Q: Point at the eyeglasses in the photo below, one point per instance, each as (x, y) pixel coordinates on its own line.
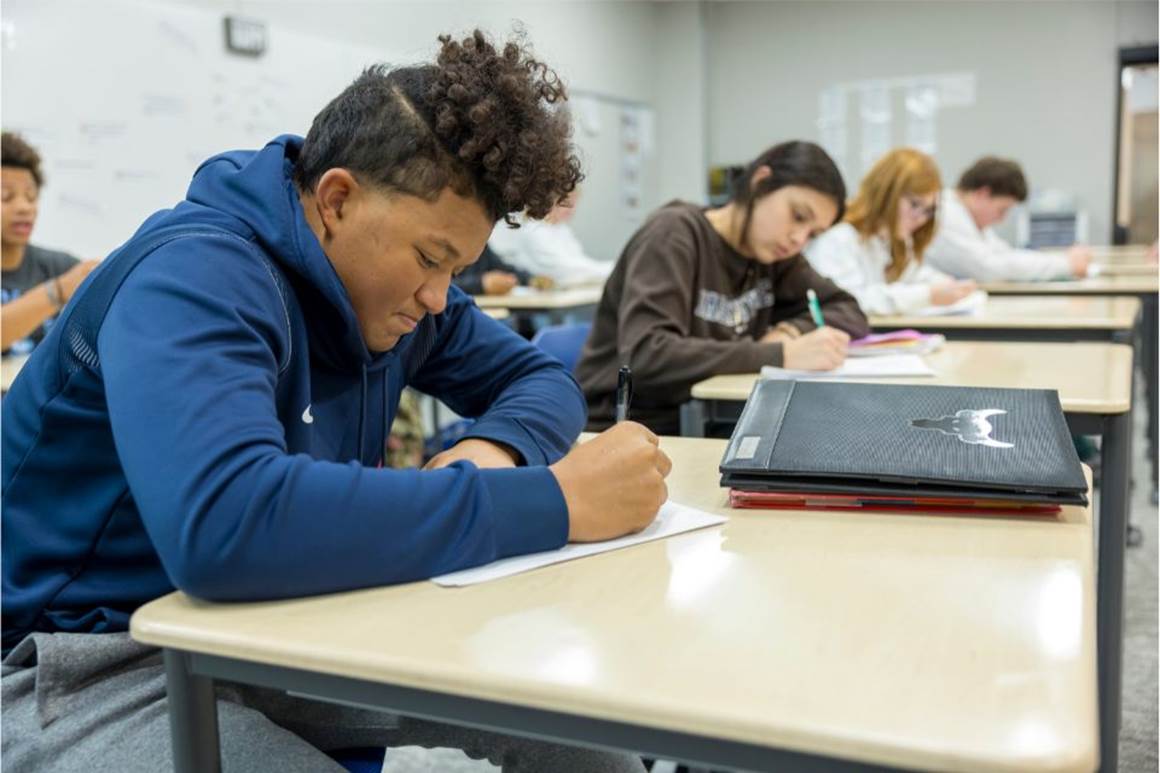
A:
(917, 206)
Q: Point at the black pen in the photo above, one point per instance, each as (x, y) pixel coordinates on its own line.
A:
(623, 392)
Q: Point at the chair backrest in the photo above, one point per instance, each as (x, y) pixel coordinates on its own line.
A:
(563, 342)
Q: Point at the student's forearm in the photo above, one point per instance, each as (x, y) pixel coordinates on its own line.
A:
(20, 317)
(1030, 265)
(663, 360)
(899, 298)
(847, 316)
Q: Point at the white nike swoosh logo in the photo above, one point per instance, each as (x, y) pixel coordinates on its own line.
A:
(306, 417)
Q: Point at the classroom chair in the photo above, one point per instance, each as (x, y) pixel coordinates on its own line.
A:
(563, 342)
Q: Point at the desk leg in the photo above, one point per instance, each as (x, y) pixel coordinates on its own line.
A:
(1113, 525)
(192, 717)
(1150, 322)
(693, 419)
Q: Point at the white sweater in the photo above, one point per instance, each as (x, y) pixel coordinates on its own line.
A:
(962, 249)
(548, 249)
(859, 265)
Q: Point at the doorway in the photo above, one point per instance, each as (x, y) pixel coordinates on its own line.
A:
(1137, 141)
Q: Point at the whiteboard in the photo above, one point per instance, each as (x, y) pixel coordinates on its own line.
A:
(125, 99)
(603, 221)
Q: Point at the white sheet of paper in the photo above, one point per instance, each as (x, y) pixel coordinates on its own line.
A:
(890, 366)
(671, 519)
(972, 304)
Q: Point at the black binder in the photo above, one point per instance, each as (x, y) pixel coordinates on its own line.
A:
(904, 441)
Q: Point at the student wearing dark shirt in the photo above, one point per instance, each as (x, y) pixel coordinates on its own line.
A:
(490, 275)
(36, 282)
(700, 292)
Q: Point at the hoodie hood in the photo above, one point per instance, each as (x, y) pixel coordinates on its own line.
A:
(256, 187)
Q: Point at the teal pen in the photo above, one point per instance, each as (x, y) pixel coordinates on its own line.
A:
(815, 308)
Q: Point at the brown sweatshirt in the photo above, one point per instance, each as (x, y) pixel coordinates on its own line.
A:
(682, 305)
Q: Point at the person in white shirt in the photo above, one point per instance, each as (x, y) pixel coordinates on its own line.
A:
(966, 245)
(550, 248)
(876, 252)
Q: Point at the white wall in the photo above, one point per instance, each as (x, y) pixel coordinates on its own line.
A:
(1045, 78)
(644, 52)
(727, 79)
(681, 99)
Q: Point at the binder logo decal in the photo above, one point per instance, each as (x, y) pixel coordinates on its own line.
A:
(968, 426)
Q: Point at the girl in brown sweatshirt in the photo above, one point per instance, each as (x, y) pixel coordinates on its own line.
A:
(701, 292)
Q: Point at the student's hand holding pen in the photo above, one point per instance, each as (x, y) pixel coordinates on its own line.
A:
(1079, 257)
(946, 293)
(498, 282)
(820, 349)
(614, 484)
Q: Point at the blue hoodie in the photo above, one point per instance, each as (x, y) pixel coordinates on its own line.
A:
(209, 418)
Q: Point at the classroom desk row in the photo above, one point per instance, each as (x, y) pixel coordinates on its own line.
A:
(1030, 318)
(777, 641)
(801, 640)
(1094, 381)
(1143, 286)
(556, 304)
(1096, 388)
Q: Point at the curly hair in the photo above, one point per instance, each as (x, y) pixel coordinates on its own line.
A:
(478, 120)
(15, 152)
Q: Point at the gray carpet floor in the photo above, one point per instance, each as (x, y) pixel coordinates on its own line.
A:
(1138, 729)
(1138, 735)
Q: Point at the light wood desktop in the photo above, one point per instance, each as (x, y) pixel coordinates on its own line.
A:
(1094, 381)
(497, 313)
(1112, 253)
(1129, 252)
(10, 366)
(1125, 269)
(1115, 282)
(933, 642)
(1027, 314)
(1090, 377)
(1141, 287)
(543, 300)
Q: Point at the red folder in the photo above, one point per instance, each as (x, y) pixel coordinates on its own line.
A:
(776, 500)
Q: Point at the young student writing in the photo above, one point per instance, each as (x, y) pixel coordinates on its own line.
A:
(701, 292)
(217, 398)
(966, 246)
(491, 275)
(36, 282)
(876, 252)
(550, 247)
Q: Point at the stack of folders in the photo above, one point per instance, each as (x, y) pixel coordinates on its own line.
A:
(896, 342)
(846, 446)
